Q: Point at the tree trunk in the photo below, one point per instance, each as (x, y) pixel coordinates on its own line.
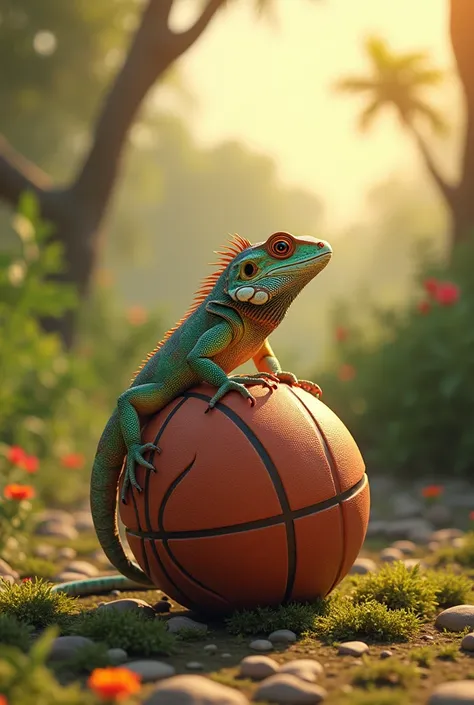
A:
(77, 211)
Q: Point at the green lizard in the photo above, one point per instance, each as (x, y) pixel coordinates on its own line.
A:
(228, 324)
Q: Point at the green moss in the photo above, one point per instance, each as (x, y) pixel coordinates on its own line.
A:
(423, 656)
(390, 672)
(463, 555)
(448, 652)
(14, 633)
(451, 588)
(36, 568)
(33, 603)
(137, 634)
(366, 620)
(187, 634)
(378, 697)
(398, 587)
(298, 618)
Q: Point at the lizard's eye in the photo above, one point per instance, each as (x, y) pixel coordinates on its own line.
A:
(281, 245)
(248, 270)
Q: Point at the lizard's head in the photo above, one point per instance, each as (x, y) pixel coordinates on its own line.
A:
(272, 273)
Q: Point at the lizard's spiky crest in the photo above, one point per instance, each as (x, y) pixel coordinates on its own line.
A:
(236, 245)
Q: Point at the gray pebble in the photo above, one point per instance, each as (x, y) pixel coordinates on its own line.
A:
(258, 667)
(282, 636)
(82, 567)
(285, 689)
(211, 649)
(177, 623)
(390, 555)
(361, 566)
(66, 554)
(194, 666)
(127, 605)
(305, 668)
(60, 530)
(406, 547)
(261, 645)
(353, 648)
(453, 693)
(468, 642)
(386, 653)
(457, 618)
(194, 690)
(117, 656)
(150, 670)
(66, 646)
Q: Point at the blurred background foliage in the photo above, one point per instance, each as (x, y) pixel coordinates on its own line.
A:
(395, 363)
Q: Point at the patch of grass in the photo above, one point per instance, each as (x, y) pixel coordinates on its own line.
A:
(264, 620)
(448, 652)
(137, 634)
(451, 588)
(187, 634)
(378, 697)
(463, 555)
(36, 568)
(368, 620)
(84, 660)
(33, 603)
(391, 672)
(14, 633)
(397, 587)
(423, 656)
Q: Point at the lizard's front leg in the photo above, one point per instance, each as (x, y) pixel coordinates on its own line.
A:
(266, 361)
(142, 399)
(212, 342)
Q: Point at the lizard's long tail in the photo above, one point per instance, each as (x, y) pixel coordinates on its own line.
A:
(93, 586)
(103, 497)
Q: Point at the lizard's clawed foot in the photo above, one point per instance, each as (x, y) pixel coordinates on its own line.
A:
(310, 387)
(232, 385)
(266, 379)
(135, 456)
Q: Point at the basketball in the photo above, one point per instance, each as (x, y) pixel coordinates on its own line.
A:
(249, 506)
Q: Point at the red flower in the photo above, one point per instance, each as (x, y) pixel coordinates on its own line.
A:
(114, 683)
(431, 491)
(447, 293)
(72, 460)
(471, 516)
(16, 455)
(18, 492)
(3, 700)
(424, 307)
(25, 580)
(30, 463)
(431, 286)
(346, 372)
(341, 334)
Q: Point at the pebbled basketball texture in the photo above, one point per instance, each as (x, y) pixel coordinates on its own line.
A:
(249, 506)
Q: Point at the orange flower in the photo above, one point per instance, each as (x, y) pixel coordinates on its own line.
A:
(72, 460)
(431, 286)
(447, 294)
(424, 307)
(471, 516)
(113, 683)
(431, 491)
(30, 463)
(3, 700)
(346, 372)
(341, 334)
(16, 455)
(136, 315)
(18, 492)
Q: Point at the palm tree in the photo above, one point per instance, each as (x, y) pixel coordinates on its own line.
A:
(398, 82)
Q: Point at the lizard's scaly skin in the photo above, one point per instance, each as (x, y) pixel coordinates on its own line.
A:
(233, 314)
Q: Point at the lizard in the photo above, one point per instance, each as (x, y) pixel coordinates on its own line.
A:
(228, 324)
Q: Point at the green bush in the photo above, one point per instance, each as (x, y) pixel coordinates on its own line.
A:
(15, 633)
(401, 379)
(391, 672)
(298, 618)
(33, 603)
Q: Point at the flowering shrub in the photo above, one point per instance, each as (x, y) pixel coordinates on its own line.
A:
(114, 684)
(403, 379)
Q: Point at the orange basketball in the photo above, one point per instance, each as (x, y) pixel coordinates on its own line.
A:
(249, 505)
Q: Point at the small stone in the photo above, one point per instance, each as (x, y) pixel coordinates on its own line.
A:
(285, 689)
(427, 637)
(305, 668)
(177, 623)
(194, 666)
(389, 555)
(211, 649)
(66, 553)
(446, 535)
(405, 505)
(66, 646)
(117, 656)
(386, 653)
(457, 618)
(458, 542)
(352, 648)
(115, 593)
(150, 670)
(162, 607)
(411, 563)
(361, 566)
(406, 547)
(433, 546)
(83, 521)
(128, 605)
(194, 690)
(282, 636)
(60, 530)
(438, 514)
(43, 550)
(225, 654)
(82, 567)
(468, 642)
(452, 693)
(258, 667)
(261, 645)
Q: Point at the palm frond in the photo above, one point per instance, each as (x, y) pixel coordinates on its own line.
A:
(355, 84)
(435, 119)
(369, 113)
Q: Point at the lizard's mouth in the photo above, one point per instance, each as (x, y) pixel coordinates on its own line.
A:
(321, 259)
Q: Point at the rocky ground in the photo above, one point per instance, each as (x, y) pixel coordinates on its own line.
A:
(208, 665)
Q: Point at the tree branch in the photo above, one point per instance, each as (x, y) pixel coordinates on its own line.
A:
(448, 191)
(17, 174)
(194, 32)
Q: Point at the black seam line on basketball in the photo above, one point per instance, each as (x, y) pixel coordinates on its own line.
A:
(147, 507)
(258, 523)
(161, 528)
(276, 481)
(337, 484)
